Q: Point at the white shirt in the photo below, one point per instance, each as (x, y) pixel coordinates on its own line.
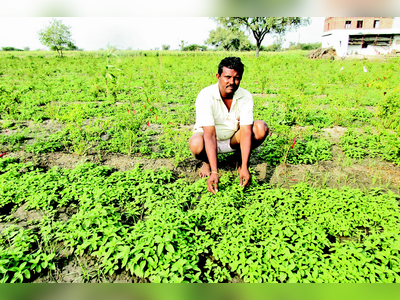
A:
(212, 111)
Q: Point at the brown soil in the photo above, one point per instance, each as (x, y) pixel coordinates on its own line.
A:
(334, 134)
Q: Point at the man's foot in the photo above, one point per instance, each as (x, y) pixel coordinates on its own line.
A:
(205, 170)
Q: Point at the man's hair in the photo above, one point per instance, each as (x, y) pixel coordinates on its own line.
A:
(231, 63)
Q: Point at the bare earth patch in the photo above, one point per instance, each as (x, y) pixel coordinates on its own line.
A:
(334, 134)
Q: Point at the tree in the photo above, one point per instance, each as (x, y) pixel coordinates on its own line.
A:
(56, 36)
(10, 49)
(304, 46)
(182, 44)
(260, 26)
(279, 40)
(165, 47)
(228, 39)
(194, 47)
(70, 46)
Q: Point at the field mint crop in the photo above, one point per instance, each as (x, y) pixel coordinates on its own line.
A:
(168, 230)
(157, 226)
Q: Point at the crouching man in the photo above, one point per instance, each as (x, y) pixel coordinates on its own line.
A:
(224, 123)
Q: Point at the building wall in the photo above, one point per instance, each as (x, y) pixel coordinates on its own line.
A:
(396, 43)
(353, 49)
(339, 40)
(337, 36)
(396, 22)
(332, 23)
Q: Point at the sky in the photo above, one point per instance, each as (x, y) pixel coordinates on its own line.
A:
(143, 33)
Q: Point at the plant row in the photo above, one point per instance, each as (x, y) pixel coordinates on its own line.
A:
(164, 229)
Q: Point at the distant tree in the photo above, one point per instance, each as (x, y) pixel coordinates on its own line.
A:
(194, 47)
(10, 49)
(71, 46)
(182, 45)
(228, 39)
(270, 48)
(260, 26)
(278, 42)
(129, 48)
(310, 46)
(304, 46)
(166, 47)
(26, 48)
(56, 36)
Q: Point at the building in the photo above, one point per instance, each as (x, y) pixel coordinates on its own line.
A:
(362, 35)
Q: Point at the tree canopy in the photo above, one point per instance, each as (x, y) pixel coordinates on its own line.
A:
(57, 36)
(261, 26)
(228, 39)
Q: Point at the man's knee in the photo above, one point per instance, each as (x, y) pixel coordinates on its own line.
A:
(196, 144)
(260, 130)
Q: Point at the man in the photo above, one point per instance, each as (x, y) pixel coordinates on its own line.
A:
(224, 123)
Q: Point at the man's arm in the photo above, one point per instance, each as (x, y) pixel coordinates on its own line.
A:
(245, 148)
(210, 145)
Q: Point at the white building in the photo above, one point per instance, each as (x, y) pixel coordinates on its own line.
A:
(365, 35)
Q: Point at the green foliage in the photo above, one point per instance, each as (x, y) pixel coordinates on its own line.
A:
(304, 46)
(44, 147)
(389, 110)
(228, 39)
(166, 230)
(20, 256)
(87, 96)
(12, 142)
(154, 226)
(385, 145)
(308, 150)
(56, 36)
(260, 26)
(194, 47)
(110, 75)
(70, 46)
(10, 49)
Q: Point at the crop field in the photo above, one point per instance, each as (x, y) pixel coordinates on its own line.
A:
(97, 183)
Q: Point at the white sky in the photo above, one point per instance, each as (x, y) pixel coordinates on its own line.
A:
(144, 33)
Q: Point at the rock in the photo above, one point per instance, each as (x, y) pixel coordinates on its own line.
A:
(105, 137)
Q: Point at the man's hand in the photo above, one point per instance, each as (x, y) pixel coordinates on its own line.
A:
(244, 177)
(212, 183)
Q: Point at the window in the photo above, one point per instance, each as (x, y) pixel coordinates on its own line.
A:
(398, 42)
(348, 24)
(377, 23)
(328, 25)
(360, 24)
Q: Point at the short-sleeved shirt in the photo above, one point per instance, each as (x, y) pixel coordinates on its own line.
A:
(212, 111)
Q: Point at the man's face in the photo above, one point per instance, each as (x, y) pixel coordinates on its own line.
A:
(228, 82)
